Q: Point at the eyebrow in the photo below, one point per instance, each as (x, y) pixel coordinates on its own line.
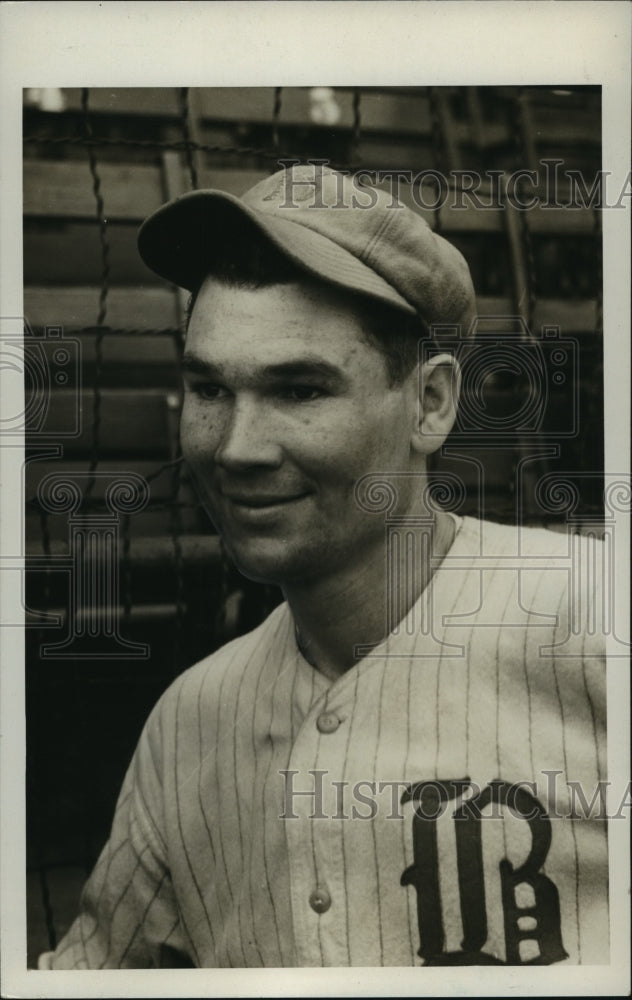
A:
(302, 367)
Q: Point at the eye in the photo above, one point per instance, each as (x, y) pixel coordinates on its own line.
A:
(207, 390)
(302, 393)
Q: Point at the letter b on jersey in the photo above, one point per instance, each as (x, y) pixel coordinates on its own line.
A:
(537, 924)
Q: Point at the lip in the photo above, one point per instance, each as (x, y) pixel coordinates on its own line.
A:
(261, 502)
(260, 509)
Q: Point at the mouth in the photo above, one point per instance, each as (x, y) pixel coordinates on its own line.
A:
(257, 508)
(261, 502)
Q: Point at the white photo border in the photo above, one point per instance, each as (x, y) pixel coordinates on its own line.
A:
(306, 43)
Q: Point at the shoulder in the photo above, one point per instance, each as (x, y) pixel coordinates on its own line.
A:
(184, 724)
(554, 573)
(215, 679)
(542, 546)
(242, 655)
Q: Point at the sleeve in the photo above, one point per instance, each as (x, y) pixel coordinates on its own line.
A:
(128, 914)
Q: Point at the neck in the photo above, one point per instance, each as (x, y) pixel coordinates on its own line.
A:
(363, 603)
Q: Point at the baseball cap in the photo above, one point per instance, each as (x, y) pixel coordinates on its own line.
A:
(350, 234)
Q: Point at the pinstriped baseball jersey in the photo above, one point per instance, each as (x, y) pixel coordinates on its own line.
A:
(424, 808)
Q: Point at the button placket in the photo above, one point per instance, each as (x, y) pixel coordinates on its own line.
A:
(315, 845)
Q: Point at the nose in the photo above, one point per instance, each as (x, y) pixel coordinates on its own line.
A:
(248, 439)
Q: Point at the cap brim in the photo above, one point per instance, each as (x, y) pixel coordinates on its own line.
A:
(179, 241)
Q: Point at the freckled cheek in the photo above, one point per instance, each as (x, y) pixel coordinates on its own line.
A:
(330, 456)
(316, 446)
(198, 435)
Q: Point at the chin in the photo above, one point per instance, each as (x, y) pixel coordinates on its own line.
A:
(257, 571)
(262, 567)
(278, 568)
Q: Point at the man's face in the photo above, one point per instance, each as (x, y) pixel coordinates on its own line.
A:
(286, 406)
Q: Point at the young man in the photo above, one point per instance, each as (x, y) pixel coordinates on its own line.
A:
(382, 772)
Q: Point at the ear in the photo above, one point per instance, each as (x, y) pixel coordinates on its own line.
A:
(439, 381)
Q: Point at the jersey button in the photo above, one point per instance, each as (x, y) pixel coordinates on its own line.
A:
(320, 900)
(327, 722)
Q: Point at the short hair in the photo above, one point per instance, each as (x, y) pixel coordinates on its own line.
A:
(255, 263)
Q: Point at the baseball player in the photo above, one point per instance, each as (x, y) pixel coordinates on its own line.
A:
(400, 766)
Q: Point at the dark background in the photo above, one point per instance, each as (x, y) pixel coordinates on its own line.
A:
(95, 164)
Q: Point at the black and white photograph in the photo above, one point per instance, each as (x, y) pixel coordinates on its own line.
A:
(315, 494)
